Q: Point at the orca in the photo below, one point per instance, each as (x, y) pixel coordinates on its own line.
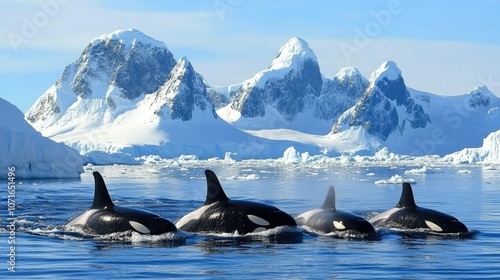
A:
(328, 219)
(105, 218)
(407, 215)
(220, 214)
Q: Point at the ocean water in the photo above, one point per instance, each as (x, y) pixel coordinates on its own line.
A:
(45, 249)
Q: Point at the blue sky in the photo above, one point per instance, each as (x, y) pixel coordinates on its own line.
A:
(444, 47)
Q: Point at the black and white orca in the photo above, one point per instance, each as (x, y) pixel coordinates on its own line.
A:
(407, 215)
(328, 219)
(220, 214)
(105, 218)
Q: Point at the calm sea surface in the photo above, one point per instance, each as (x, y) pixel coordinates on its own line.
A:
(43, 249)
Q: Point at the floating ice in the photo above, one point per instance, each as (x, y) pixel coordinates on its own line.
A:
(396, 179)
(423, 170)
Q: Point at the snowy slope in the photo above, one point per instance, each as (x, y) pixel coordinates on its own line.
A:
(352, 141)
(33, 155)
(457, 122)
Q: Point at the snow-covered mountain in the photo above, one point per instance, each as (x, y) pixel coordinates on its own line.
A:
(166, 112)
(182, 93)
(385, 107)
(457, 122)
(127, 95)
(33, 155)
(340, 94)
(281, 96)
(113, 72)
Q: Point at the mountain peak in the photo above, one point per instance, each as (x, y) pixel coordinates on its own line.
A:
(292, 52)
(182, 92)
(482, 90)
(183, 62)
(128, 37)
(112, 70)
(388, 70)
(348, 72)
(481, 96)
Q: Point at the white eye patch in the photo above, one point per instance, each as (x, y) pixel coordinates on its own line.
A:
(139, 227)
(433, 226)
(258, 220)
(338, 225)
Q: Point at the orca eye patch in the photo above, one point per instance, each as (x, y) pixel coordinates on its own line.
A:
(258, 220)
(338, 225)
(139, 227)
(433, 226)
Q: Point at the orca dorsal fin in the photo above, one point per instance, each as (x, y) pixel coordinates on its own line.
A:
(214, 189)
(329, 203)
(407, 200)
(101, 195)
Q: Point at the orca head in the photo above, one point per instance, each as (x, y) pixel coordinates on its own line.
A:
(261, 217)
(451, 225)
(440, 222)
(348, 221)
(407, 200)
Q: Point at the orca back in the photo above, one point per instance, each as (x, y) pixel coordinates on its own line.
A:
(105, 218)
(220, 214)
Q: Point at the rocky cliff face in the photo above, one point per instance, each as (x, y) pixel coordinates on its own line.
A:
(288, 85)
(385, 107)
(183, 92)
(340, 94)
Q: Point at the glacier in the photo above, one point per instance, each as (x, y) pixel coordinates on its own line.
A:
(32, 155)
(126, 97)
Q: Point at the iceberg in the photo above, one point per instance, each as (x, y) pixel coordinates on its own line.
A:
(489, 153)
(29, 153)
(396, 179)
